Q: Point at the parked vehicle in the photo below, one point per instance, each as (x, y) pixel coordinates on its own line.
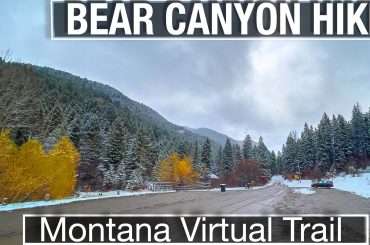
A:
(323, 184)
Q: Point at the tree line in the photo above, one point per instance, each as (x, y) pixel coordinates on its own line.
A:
(334, 145)
(229, 156)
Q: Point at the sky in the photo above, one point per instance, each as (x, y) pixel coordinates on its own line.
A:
(262, 88)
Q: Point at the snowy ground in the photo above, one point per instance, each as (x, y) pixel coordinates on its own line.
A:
(298, 186)
(359, 185)
(83, 196)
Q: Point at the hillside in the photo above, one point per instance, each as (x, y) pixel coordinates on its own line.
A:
(106, 126)
(215, 136)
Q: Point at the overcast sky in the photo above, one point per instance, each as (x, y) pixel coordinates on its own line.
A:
(265, 88)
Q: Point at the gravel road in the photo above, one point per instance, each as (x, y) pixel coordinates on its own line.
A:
(274, 199)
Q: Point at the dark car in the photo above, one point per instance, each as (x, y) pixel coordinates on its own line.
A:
(323, 184)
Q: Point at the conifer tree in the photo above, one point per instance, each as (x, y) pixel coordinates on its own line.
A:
(227, 160)
(237, 157)
(324, 144)
(273, 163)
(219, 162)
(308, 149)
(359, 133)
(90, 149)
(206, 157)
(247, 147)
(196, 158)
(115, 148)
(290, 153)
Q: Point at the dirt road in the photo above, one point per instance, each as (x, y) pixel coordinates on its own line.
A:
(273, 199)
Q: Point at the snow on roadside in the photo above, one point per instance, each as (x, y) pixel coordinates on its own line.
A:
(359, 185)
(306, 191)
(298, 186)
(83, 196)
(291, 183)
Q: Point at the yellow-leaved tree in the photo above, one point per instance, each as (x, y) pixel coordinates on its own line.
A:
(8, 152)
(30, 160)
(177, 169)
(28, 173)
(64, 158)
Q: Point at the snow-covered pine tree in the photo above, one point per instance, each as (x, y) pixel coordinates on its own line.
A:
(237, 157)
(115, 146)
(182, 149)
(290, 153)
(90, 150)
(324, 144)
(359, 133)
(308, 149)
(227, 160)
(342, 147)
(206, 158)
(247, 147)
(196, 158)
(219, 163)
(146, 153)
(135, 167)
(263, 156)
(273, 163)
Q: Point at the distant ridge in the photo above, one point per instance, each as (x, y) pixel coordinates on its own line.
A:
(217, 137)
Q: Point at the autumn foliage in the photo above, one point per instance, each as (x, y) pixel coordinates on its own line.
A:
(28, 172)
(177, 169)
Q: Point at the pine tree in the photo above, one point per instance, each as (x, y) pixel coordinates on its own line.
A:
(227, 160)
(219, 162)
(263, 156)
(130, 161)
(237, 157)
(359, 133)
(308, 149)
(279, 162)
(196, 158)
(273, 163)
(324, 144)
(290, 153)
(206, 158)
(115, 148)
(247, 147)
(90, 149)
(146, 152)
(181, 149)
(339, 138)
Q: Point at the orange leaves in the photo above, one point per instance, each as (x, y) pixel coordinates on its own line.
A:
(177, 169)
(28, 173)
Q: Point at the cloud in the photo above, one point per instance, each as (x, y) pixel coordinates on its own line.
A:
(285, 84)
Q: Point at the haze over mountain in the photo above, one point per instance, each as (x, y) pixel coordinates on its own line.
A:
(217, 137)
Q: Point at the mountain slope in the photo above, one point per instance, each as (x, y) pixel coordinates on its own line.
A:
(215, 136)
(46, 104)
